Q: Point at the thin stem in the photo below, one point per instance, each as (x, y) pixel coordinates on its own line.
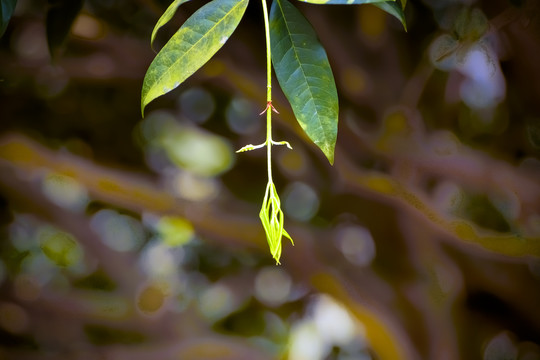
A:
(268, 91)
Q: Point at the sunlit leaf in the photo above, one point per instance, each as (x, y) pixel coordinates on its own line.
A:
(304, 74)
(6, 10)
(201, 36)
(394, 9)
(60, 17)
(165, 18)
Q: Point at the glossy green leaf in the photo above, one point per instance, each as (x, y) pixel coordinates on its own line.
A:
(60, 17)
(394, 9)
(165, 18)
(201, 36)
(6, 10)
(304, 73)
(342, 2)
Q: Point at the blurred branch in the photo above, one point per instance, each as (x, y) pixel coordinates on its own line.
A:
(463, 165)
(23, 159)
(207, 347)
(506, 244)
(135, 192)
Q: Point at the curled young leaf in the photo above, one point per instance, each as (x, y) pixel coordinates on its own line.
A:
(271, 217)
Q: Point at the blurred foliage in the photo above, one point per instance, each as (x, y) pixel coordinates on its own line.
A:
(422, 242)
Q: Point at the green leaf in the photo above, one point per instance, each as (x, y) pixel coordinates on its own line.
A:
(304, 73)
(201, 36)
(60, 17)
(6, 10)
(394, 9)
(165, 18)
(342, 2)
(391, 7)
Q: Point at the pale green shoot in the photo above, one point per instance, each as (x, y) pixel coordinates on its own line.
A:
(272, 220)
(271, 214)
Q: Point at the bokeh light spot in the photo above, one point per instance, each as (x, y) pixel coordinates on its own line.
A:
(273, 286)
(306, 343)
(242, 117)
(301, 201)
(119, 232)
(216, 302)
(65, 191)
(197, 104)
(356, 244)
(292, 162)
(59, 247)
(174, 231)
(194, 187)
(152, 298)
(87, 27)
(29, 43)
(159, 260)
(333, 321)
(202, 153)
(13, 318)
(501, 347)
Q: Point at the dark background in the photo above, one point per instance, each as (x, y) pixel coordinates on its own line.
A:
(131, 238)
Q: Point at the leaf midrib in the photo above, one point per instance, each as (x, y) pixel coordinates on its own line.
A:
(169, 69)
(289, 34)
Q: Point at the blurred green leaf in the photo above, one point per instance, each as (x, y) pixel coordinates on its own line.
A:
(174, 231)
(60, 17)
(394, 9)
(304, 73)
(480, 210)
(6, 10)
(61, 248)
(533, 131)
(98, 280)
(471, 24)
(166, 17)
(201, 36)
(105, 335)
(199, 152)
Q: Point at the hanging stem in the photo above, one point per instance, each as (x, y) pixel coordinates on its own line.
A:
(271, 214)
(269, 106)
